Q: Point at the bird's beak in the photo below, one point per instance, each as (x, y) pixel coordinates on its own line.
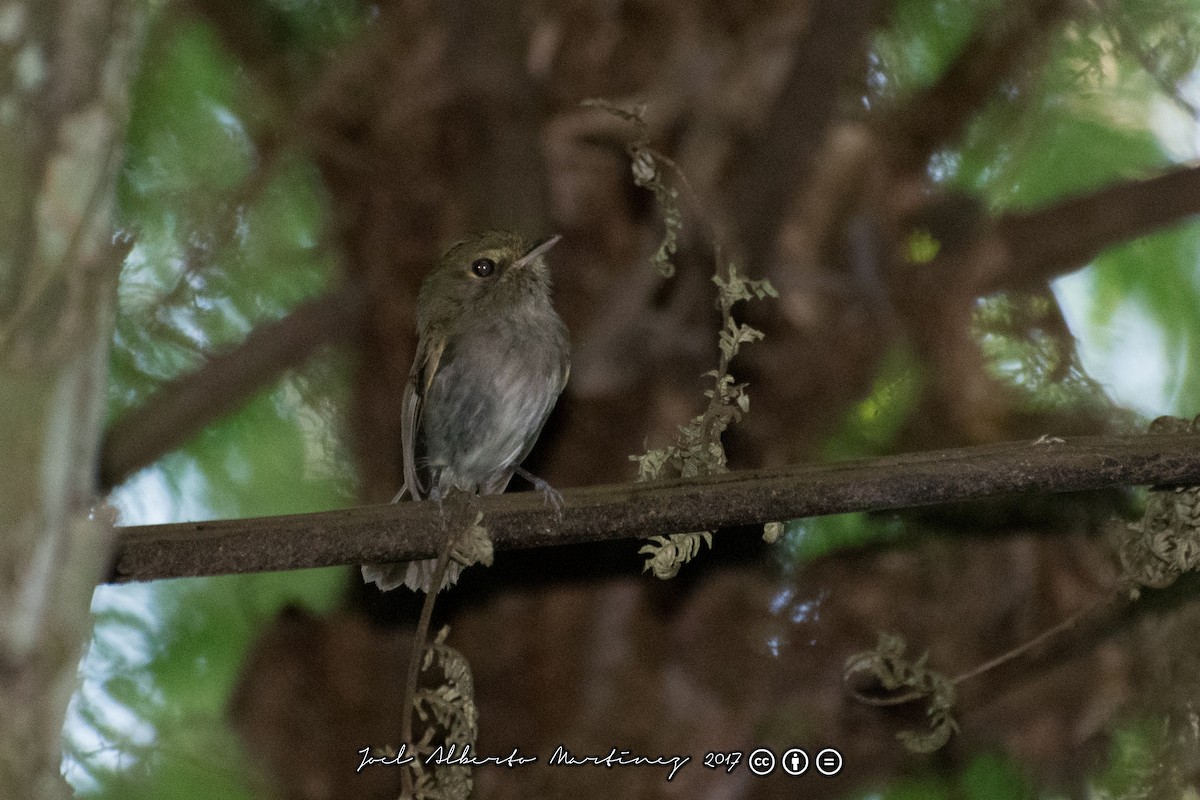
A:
(538, 251)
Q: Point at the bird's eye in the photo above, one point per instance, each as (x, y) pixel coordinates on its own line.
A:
(483, 267)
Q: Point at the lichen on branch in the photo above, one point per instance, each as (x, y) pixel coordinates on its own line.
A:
(904, 680)
(698, 448)
(1165, 543)
(449, 708)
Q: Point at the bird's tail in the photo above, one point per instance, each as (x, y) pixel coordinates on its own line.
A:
(416, 575)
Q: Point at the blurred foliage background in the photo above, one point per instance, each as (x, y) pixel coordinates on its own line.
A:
(240, 209)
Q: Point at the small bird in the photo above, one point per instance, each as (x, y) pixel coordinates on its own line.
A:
(492, 358)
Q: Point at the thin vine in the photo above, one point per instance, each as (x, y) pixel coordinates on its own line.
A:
(1153, 552)
(449, 708)
(698, 448)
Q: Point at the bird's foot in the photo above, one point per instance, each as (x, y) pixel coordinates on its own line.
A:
(550, 495)
(437, 496)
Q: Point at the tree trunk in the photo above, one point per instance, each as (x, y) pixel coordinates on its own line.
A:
(63, 107)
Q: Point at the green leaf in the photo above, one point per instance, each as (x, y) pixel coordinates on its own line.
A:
(920, 42)
(991, 776)
(184, 132)
(1135, 761)
(168, 654)
(814, 537)
(1081, 123)
(872, 424)
(1158, 274)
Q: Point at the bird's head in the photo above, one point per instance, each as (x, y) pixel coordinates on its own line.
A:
(488, 268)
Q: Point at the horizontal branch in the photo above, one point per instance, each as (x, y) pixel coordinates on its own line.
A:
(413, 530)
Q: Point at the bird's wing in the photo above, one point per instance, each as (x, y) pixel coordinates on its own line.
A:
(425, 365)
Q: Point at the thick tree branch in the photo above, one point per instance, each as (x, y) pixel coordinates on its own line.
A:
(1044, 244)
(939, 114)
(65, 68)
(180, 409)
(1027, 249)
(414, 530)
(224, 383)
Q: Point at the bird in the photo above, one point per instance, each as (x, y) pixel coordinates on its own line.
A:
(492, 358)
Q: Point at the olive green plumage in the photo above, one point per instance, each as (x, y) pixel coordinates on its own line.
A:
(492, 358)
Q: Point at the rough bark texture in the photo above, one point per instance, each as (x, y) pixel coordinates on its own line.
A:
(65, 102)
(414, 530)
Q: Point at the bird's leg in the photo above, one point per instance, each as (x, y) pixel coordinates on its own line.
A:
(435, 490)
(550, 495)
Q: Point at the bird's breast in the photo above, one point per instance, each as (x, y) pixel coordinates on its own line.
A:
(492, 392)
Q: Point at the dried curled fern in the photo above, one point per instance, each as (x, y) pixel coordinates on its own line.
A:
(907, 681)
(697, 449)
(1154, 553)
(1165, 543)
(647, 175)
(474, 545)
(449, 710)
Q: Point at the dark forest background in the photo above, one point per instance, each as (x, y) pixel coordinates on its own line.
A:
(974, 214)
